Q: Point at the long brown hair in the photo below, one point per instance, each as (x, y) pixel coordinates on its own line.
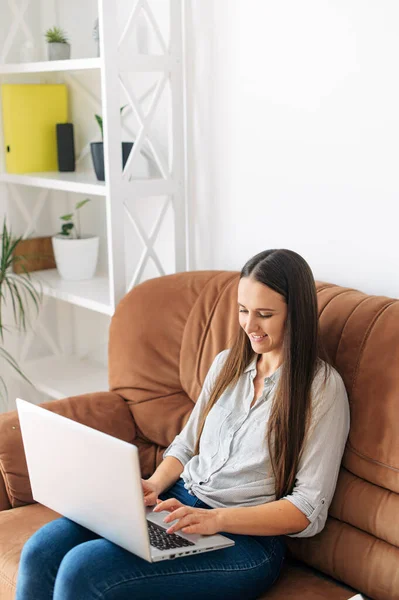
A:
(288, 274)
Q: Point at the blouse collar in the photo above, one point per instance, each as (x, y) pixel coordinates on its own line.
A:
(252, 368)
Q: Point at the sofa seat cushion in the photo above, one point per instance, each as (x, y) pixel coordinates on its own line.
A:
(299, 582)
(16, 527)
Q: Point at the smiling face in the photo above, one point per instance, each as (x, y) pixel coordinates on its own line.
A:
(262, 315)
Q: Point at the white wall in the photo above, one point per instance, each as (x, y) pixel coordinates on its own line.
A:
(295, 133)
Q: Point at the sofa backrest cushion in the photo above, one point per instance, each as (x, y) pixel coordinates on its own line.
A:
(362, 336)
(163, 338)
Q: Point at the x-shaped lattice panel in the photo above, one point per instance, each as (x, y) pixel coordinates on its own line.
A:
(144, 140)
(18, 11)
(148, 241)
(30, 217)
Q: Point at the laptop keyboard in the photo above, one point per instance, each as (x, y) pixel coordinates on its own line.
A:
(165, 541)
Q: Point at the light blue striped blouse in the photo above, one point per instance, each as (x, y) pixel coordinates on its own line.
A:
(233, 467)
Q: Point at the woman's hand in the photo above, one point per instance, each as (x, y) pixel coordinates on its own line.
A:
(150, 491)
(189, 519)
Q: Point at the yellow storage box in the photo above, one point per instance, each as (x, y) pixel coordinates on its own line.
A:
(30, 114)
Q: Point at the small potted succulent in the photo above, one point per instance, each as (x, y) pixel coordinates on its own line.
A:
(97, 150)
(58, 45)
(75, 254)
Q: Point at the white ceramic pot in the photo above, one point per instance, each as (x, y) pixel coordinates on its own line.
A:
(76, 259)
(57, 51)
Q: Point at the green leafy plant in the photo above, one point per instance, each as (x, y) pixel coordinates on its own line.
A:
(56, 35)
(19, 290)
(69, 226)
(100, 121)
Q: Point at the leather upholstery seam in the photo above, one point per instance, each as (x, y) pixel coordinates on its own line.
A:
(376, 538)
(325, 286)
(189, 316)
(6, 484)
(346, 322)
(7, 581)
(207, 325)
(372, 460)
(161, 396)
(366, 337)
(346, 291)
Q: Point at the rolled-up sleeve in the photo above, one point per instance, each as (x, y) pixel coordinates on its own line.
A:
(319, 465)
(183, 445)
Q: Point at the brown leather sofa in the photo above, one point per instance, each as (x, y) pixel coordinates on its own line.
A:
(163, 338)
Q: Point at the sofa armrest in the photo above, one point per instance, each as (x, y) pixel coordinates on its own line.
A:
(104, 411)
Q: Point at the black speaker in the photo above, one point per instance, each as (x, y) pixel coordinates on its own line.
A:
(65, 147)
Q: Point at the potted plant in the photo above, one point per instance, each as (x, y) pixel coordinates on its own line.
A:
(58, 45)
(97, 150)
(19, 291)
(75, 254)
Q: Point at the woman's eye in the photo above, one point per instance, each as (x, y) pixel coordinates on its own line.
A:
(262, 316)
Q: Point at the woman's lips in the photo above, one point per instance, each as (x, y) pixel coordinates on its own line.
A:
(258, 339)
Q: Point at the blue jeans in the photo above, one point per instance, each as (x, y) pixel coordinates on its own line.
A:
(64, 561)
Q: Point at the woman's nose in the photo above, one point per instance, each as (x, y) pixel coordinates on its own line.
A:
(252, 325)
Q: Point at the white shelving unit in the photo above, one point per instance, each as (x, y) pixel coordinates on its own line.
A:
(92, 294)
(59, 375)
(81, 183)
(55, 66)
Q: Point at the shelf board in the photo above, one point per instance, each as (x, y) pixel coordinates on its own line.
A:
(63, 376)
(91, 293)
(83, 183)
(48, 66)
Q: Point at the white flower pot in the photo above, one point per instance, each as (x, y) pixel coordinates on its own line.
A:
(76, 259)
(57, 51)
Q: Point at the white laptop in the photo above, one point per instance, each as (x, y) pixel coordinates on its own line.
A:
(94, 479)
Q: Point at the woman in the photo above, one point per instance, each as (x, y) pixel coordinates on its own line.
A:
(257, 459)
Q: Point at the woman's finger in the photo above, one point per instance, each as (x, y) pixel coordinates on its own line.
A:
(149, 499)
(193, 528)
(170, 504)
(185, 521)
(179, 513)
